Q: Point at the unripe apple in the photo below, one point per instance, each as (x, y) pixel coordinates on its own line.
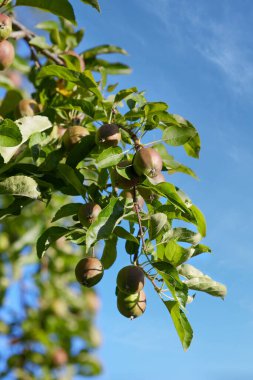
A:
(5, 26)
(73, 135)
(89, 271)
(130, 279)
(27, 107)
(15, 78)
(131, 305)
(88, 213)
(129, 194)
(7, 54)
(108, 135)
(60, 357)
(147, 161)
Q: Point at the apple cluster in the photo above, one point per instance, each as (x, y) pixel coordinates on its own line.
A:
(131, 298)
(7, 52)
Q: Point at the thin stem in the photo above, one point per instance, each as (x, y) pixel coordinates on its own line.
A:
(141, 234)
(152, 280)
(28, 35)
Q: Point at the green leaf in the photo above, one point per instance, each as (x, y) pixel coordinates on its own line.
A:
(171, 164)
(48, 25)
(60, 8)
(115, 68)
(109, 253)
(39, 42)
(124, 94)
(154, 108)
(170, 275)
(124, 234)
(175, 135)
(200, 248)
(189, 271)
(176, 254)
(67, 210)
(107, 220)
(181, 323)
(10, 102)
(81, 150)
(156, 224)
(169, 191)
(131, 247)
(20, 185)
(9, 133)
(27, 125)
(103, 49)
(200, 219)
(49, 236)
(197, 280)
(207, 285)
(185, 235)
(84, 79)
(14, 208)
(192, 147)
(109, 157)
(70, 177)
(93, 3)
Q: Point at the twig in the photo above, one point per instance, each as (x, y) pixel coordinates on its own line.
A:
(28, 35)
(136, 208)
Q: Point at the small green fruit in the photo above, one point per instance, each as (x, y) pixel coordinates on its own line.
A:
(73, 135)
(7, 54)
(60, 357)
(5, 26)
(130, 279)
(88, 213)
(129, 194)
(89, 271)
(108, 135)
(131, 305)
(147, 161)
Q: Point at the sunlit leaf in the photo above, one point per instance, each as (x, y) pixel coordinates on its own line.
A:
(62, 8)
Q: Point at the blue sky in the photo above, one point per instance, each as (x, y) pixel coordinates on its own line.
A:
(197, 56)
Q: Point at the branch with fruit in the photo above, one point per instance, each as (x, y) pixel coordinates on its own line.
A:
(80, 137)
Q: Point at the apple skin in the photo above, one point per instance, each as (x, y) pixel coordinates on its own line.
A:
(5, 26)
(73, 135)
(131, 305)
(147, 161)
(60, 357)
(88, 213)
(15, 78)
(130, 279)
(108, 135)
(89, 271)
(7, 54)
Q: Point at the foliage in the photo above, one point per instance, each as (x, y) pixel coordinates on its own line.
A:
(37, 166)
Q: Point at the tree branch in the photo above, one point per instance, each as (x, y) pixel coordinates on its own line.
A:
(23, 32)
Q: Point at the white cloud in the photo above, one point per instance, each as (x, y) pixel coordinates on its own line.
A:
(217, 39)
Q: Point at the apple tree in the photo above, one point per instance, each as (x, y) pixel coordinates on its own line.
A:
(78, 168)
